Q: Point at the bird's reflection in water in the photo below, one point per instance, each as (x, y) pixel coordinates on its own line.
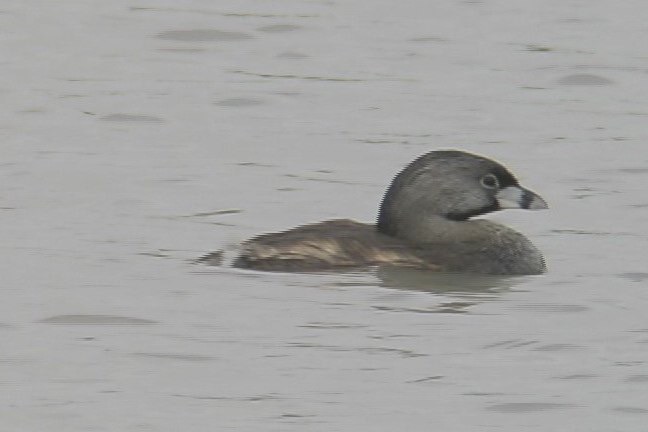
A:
(456, 292)
(446, 283)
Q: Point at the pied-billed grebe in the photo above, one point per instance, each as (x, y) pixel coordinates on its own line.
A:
(424, 222)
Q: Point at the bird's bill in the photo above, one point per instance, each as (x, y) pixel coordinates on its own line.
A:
(519, 197)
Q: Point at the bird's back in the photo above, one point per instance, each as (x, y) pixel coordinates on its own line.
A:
(327, 245)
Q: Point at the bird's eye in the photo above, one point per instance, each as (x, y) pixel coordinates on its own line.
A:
(489, 181)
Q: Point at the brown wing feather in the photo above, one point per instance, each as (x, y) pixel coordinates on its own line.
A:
(327, 245)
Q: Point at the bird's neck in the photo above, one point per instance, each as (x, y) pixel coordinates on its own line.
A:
(438, 229)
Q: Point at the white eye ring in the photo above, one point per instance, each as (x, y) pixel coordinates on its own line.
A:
(490, 181)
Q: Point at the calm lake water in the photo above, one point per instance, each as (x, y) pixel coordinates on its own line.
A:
(139, 135)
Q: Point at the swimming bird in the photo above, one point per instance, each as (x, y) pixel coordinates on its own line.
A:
(426, 220)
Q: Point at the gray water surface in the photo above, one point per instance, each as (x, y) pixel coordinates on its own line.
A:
(138, 136)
